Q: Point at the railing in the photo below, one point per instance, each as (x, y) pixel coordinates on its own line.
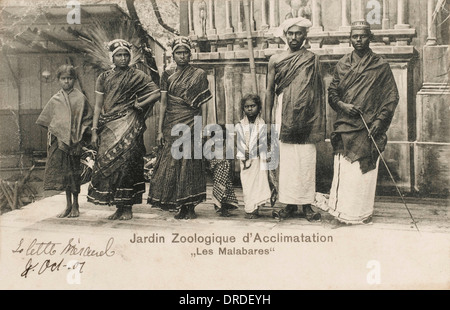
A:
(218, 25)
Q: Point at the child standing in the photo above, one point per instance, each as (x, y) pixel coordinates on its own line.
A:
(67, 116)
(223, 195)
(251, 139)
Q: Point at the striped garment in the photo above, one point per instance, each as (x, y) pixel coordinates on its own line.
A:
(178, 182)
(118, 174)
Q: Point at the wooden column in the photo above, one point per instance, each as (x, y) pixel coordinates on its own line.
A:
(402, 22)
(229, 26)
(184, 18)
(386, 23)
(191, 17)
(316, 16)
(274, 18)
(345, 24)
(211, 16)
(431, 38)
(252, 15)
(264, 24)
(229, 30)
(357, 10)
(212, 32)
(239, 15)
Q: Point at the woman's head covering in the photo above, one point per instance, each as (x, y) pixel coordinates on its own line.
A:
(118, 44)
(179, 42)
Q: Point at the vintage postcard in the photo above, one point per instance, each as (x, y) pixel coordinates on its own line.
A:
(224, 145)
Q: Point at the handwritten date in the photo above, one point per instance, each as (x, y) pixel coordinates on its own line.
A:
(49, 266)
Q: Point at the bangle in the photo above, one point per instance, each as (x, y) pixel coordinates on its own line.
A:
(94, 129)
(137, 107)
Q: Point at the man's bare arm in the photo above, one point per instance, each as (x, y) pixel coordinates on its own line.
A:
(270, 91)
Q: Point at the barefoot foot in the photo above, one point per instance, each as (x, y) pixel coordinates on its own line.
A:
(181, 213)
(75, 211)
(65, 213)
(116, 215)
(127, 214)
(191, 215)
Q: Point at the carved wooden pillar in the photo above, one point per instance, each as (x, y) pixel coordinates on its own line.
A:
(239, 15)
(274, 15)
(185, 18)
(402, 12)
(316, 16)
(212, 32)
(211, 17)
(345, 24)
(229, 26)
(402, 22)
(357, 10)
(264, 24)
(431, 39)
(191, 17)
(252, 15)
(386, 23)
(229, 29)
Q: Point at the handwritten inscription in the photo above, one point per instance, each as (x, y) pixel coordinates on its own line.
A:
(39, 262)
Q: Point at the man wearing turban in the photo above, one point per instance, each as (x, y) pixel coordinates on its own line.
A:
(363, 86)
(294, 87)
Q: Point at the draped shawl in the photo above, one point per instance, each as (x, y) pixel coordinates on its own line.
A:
(120, 125)
(67, 116)
(368, 84)
(303, 108)
(177, 182)
(186, 90)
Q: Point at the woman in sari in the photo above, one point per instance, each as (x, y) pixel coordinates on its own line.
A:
(180, 184)
(124, 94)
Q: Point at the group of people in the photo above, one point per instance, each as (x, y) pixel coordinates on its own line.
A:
(363, 91)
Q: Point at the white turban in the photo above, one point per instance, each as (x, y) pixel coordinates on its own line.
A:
(288, 23)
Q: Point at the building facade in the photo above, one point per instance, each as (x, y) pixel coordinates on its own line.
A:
(412, 35)
(34, 43)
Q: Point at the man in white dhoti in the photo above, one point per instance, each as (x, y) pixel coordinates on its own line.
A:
(295, 85)
(363, 85)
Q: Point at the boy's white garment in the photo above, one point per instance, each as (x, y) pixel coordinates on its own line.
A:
(254, 175)
(255, 185)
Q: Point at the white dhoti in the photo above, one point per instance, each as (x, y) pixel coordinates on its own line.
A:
(297, 177)
(352, 194)
(255, 185)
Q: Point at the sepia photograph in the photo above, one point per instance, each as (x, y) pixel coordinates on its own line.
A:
(224, 145)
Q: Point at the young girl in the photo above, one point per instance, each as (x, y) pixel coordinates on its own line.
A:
(223, 195)
(251, 135)
(67, 116)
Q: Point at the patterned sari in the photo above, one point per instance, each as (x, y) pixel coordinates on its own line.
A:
(178, 182)
(118, 174)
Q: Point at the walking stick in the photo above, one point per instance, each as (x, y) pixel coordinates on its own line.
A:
(389, 171)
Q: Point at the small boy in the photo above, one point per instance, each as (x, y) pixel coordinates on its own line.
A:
(67, 116)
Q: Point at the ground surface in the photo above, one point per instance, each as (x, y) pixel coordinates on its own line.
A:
(390, 253)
